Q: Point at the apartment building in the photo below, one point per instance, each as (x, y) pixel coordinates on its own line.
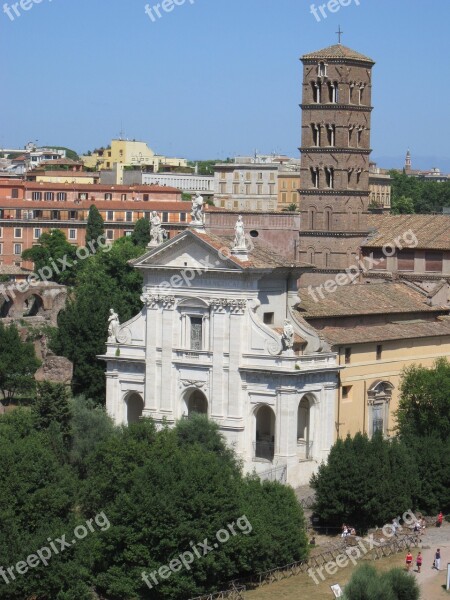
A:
(29, 209)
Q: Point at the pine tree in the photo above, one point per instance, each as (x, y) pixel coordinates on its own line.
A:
(95, 227)
(141, 233)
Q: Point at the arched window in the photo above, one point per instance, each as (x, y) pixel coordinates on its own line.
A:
(331, 135)
(315, 177)
(329, 177)
(379, 397)
(135, 406)
(304, 437)
(316, 91)
(315, 134)
(197, 403)
(264, 444)
(322, 69)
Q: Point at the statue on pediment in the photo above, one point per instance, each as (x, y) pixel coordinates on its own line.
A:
(197, 215)
(113, 325)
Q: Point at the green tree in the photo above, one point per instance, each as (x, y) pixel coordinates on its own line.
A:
(95, 227)
(365, 482)
(52, 405)
(424, 406)
(141, 233)
(90, 426)
(38, 493)
(18, 364)
(402, 206)
(52, 248)
(166, 490)
(106, 281)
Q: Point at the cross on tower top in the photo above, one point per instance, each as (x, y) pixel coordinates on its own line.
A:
(339, 33)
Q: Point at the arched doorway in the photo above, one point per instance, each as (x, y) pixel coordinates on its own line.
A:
(135, 406)
(32, 306)
(197, 403)
(6, 305)
(304, 437)
(264, 445)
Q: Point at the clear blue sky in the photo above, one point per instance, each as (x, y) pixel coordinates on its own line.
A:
(217, 77)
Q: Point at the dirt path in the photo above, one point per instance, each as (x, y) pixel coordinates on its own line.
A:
(430, 580)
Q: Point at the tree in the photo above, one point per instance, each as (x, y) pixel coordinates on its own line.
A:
(424, 426)
(141, 233)
(166, 491)
(45, 255)
(365, 482)
(52, 405)
(106, 281)
(95, 227)
(90, 426)
(38, 496)
(18, 364)
(402, 206)
(424, 406)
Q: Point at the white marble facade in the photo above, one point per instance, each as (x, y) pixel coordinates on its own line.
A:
(210, 338)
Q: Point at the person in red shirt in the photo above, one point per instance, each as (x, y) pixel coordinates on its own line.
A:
(419, 561)
(409, 559)
(440, 519)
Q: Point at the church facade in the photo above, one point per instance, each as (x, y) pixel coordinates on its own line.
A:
(218, 334)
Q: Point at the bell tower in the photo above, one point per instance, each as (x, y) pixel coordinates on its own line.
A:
(335, 151)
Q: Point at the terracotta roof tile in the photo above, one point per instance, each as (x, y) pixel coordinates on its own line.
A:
(431, 231)
(361, 334)
(260, 257)
(338, 51)
(363, 299)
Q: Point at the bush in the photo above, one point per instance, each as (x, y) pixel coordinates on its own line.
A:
(367, 584)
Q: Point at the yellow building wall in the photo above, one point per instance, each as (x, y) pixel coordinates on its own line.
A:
(69, 178)
(365, 370)
(130, 153)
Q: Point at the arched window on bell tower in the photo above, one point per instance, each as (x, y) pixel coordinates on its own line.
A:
(315, 177)
(329, 177)
(361, 93)
(315, 134)
(331, 133)
(322, 69)
(316, 91)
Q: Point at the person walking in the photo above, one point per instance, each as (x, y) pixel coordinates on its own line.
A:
(419, 562)
(440, 518)
(437, 560)
(409, 559)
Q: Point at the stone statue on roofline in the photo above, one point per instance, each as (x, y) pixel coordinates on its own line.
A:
(157, 233)
(239, 235)
(198, 217)
(113, 325)
(288, 336)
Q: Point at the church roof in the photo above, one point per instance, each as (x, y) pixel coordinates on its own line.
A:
(338, 51)
(261, 256)
(361, 334)
(364, 299)
(431, 231)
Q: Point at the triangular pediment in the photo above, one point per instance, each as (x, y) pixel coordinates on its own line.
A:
(187, 251)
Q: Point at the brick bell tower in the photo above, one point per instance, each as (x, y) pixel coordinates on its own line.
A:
(335, 150)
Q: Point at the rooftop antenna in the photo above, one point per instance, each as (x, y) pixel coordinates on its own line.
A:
(339, 34)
